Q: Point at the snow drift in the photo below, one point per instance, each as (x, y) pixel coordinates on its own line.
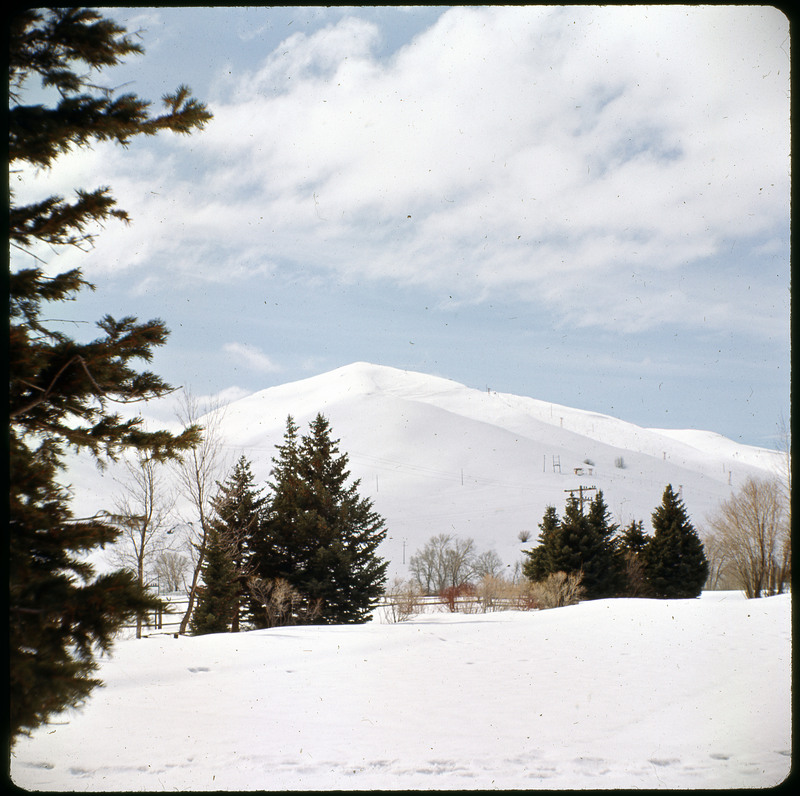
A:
(621, 693)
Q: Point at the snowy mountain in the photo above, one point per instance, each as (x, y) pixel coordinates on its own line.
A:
(438, 457)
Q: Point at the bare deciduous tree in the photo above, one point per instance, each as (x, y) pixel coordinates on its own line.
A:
(785, 474)
(720, 573)
(424, 565)
(446, 561)
(198, 473)
(753, 531)
(487, 565)
(170, 567)
(459, 562)
(143, 513)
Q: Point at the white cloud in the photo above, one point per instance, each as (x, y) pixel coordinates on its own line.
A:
(251, 357)
(546, 151)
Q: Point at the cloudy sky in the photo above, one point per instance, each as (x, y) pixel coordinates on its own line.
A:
(587, 205)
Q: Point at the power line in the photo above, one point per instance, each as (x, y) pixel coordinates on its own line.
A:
(580, 490)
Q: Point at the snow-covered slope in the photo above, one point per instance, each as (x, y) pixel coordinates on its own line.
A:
(438, 457)
(684, 694)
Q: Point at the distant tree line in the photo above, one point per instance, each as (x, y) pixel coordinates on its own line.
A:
(448, 562)
(582, 555)
(300, 550)
(670, 563)
(747, 546)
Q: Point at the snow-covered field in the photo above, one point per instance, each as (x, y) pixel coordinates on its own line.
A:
(606, 694)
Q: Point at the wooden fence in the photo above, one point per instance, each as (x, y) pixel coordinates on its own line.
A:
(164, 622)
(392, 607)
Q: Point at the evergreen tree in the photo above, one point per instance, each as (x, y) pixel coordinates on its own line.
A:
(676, 565)
(320, 535)
(541, 560)
(274, 552)
(579, 542)
(239, 511)
(217, 598)
(575, 542)
(604, 565)
(59, 389)
(633, 546)
(344, 571)
(633, 539)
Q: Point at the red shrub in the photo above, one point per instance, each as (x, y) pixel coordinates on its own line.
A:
(450, 594)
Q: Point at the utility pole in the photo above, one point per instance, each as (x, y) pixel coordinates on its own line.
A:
(580, 490)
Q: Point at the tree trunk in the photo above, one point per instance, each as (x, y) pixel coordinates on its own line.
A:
(201, 554)
(140, 574)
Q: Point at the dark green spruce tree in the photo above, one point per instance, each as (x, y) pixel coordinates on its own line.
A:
(633, 539)
(275, 549)
(217, 597)
(61, 391)
(676, 565)
(604, 567)
(581, 541)
(344, 571)
(239, 509)
(321, 535)
(543, 559)
(633, 542)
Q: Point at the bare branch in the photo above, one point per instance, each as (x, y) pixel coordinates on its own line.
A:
(198, 472)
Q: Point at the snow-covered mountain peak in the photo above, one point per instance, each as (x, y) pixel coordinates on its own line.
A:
(436, 456)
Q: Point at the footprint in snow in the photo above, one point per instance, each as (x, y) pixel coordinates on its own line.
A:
(542, 772)
(592, 765)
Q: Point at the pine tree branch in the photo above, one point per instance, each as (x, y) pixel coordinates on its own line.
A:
(100, 392)
(47, 392)
(56, 383)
